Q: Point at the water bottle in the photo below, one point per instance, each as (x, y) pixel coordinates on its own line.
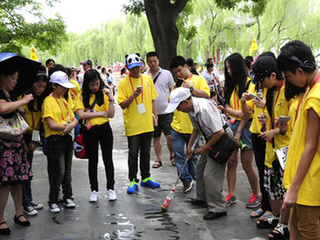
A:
(243, 146)
(167, 201)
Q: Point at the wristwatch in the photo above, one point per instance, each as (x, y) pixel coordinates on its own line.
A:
(191, 89)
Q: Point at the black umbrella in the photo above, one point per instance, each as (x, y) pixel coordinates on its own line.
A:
(27, 69)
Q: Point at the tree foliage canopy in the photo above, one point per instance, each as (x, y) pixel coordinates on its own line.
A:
(204, 27)
(15, 31)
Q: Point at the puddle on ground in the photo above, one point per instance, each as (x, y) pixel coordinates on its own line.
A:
(125, 229)
(167, 225)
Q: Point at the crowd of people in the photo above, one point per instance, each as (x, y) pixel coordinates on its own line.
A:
(270, 107)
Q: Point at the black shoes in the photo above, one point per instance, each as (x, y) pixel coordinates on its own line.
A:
(198, 202)
(4, 231)
(24, 223)
(213, 215)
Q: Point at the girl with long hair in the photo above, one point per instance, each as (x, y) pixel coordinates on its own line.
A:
(95, 107)
(236, 83)
(39, 90)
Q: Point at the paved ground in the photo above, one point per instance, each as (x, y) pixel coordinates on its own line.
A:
(135, 216)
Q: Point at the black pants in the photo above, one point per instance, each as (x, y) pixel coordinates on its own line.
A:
(60, 162)
(26, 185)
(103, 134)
(259, 149)
(140, 142)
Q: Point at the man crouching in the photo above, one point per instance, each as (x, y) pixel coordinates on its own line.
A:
(206, 119)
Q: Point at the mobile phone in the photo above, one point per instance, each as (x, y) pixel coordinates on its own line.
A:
(252, 95)
(283, 119)
(179, 83)
(139, 87)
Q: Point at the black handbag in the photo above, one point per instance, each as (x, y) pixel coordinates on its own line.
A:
(222, 150)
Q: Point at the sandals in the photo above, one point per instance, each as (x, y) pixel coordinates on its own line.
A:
(281, 234)
(21, 223)
(157, 164)
(256, 213)
(271, 222)
(173, 163)
(4, 231)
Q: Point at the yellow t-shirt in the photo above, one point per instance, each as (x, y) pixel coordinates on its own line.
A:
(281, 107)
(235, 101)
(97, 108)
(181, 122)
(74, 92)
(59, 110)
(256, 125)
(32, 118)
(134, 122)
(309, 192)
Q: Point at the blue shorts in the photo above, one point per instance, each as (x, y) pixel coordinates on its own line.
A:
(246, 134)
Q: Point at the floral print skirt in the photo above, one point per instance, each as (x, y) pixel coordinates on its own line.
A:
(14, 165)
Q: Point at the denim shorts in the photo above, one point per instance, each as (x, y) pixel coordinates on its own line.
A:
(246, 134)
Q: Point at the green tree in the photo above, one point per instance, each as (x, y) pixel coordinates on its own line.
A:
(45, 34)
(162, 17)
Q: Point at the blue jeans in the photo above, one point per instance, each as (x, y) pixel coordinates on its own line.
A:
(179, 140)
(60, 160)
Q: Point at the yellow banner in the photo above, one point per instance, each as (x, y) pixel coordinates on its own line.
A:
(33, 54)
(253, 46)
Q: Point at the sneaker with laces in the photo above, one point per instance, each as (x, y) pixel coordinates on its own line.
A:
(149, 182)
(69, 203)
(93, 197)
(230, 200)
(112, 195)
(133, 187)
(36, 206)
(30, 211)
(187, 186)
(54, 208)
(254, 202)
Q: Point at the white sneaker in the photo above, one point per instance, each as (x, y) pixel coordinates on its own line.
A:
(69, 203)
(30, 210)
(112, 195)
(93, 197)
(54, 208)
(36, 205)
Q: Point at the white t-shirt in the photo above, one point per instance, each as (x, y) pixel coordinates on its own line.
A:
(163, 86)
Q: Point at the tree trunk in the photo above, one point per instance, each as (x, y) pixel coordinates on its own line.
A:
(162, 16)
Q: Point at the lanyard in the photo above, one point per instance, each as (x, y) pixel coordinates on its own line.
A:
(190, 77)
(303, 96)
(74, 93)
(315, 81)
(235, 103)
(59, 105)
(133, 89)
(275, 104)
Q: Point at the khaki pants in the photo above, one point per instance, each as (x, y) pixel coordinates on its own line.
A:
(305, 219)
(210, 176)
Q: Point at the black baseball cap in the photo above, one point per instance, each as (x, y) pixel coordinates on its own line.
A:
(262, 68)
(87, 61)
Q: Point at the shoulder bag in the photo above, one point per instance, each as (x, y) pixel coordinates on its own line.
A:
(222, 150)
